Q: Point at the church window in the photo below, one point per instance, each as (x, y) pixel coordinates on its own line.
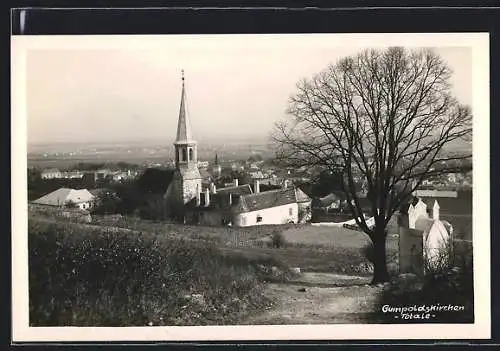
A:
(177, 155)
(259, 218)
(290, 211)
(184, 155)
(190, 154)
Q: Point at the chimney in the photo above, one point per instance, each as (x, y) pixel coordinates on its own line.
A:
(198, 195)
(435, 211)
(207, 197)
(256, 186)
(235, 181)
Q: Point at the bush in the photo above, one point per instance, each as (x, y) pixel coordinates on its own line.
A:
(278, 239)
(80, 277)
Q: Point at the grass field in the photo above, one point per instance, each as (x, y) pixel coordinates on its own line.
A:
(312, 248)
(81, 275)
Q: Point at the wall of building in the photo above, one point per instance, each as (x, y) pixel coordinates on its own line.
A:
(272, 215)
(410, 251)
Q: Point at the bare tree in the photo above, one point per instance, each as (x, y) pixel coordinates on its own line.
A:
(383, 117)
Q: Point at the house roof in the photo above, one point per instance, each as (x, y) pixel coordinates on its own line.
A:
(62, 195)
(244, 189)
(266, 199)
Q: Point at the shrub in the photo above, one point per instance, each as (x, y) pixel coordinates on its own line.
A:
(278, 239)
(115, 278)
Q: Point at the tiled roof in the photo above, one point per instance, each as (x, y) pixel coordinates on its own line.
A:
(266, 199)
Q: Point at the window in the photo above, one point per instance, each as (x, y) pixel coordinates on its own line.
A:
(259, 218)
(184, 155)
(190, 154)
(290, 211)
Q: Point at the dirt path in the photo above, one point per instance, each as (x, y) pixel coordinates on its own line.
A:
(327, 299)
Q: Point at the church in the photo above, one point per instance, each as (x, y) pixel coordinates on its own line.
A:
(192, 201)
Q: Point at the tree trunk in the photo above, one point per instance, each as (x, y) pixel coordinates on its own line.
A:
(380, 273)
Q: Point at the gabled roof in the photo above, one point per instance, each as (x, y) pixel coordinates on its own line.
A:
(266, 199)
(63, 195)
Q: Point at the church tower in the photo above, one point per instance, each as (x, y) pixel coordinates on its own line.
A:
(187, 179)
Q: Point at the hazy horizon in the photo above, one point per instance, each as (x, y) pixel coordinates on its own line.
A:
(236, 87)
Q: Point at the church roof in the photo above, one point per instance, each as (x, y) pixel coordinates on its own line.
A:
(184, 133)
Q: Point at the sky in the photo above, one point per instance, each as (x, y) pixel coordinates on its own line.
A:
(237, 86)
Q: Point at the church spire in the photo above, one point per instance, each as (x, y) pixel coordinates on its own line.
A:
(183, 127)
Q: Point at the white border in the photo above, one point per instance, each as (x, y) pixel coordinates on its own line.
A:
(481, 329)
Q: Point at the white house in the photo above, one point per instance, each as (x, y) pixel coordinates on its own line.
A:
(239, 206)
(51, 173)
(63, 197)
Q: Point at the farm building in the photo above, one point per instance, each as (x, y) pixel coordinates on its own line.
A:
(65, 197)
